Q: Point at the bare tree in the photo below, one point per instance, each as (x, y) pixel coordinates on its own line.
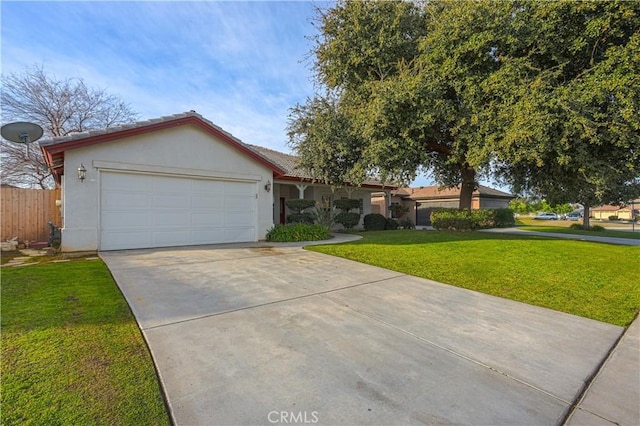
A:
(61, 107)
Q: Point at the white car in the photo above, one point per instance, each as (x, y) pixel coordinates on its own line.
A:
(546, 216)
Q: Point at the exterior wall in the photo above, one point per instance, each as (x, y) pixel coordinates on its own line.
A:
(623, 214)
(182, 151)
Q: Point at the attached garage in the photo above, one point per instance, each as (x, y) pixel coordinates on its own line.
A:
(149, 210)
(174, 181)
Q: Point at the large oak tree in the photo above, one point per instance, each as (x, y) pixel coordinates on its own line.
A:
(543, 95)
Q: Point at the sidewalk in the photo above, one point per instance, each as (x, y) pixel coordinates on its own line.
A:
(594, 238)
(614, 395)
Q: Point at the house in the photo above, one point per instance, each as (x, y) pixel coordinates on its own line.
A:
(423, 200)
(174, 181)
(622, 213)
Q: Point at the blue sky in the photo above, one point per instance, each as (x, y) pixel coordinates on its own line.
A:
(241, 65)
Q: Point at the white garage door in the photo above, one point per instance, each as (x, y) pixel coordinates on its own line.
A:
(140, 211)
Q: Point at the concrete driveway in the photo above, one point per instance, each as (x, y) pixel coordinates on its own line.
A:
(280, 335)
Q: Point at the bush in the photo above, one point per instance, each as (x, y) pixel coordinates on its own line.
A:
(348, 220)
(299, 204)
(298, 232)
(346, 204)
(595, 228)
(453, 219)
(406, 223)
(503, 218)
(613, 217)
(462, 220)
(324, 217)
(374, 222)
(300, 218)
(391, 224)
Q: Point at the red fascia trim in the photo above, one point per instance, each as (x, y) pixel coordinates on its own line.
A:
(108, 137)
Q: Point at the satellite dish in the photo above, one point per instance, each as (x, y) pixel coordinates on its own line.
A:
(22, 132)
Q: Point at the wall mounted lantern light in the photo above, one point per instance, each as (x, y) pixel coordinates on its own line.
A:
(82, 172)
(267, 187)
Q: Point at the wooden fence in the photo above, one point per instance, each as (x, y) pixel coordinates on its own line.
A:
(26, 212)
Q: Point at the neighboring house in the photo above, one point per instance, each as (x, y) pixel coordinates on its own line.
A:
(423, 200)
(172, 181)
(622, 213)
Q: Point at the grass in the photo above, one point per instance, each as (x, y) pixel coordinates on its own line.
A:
(567, 230)
(71, 350)
(592, 280)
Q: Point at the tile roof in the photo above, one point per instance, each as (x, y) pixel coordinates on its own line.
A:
(289, 163)
(437, 192)
(286, 162)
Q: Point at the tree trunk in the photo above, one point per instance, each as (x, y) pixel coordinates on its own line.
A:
(468, 186)
(585, 218)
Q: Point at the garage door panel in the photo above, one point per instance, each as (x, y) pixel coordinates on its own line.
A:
(173, 201)
(127, 200)
(208, 187)
(237, 235)
(239, 189)
(140, 210)
(170, 237)
(207, 203)
(213, 219)
(122, 182)
(118, 220)
(239, 204)
(172, 220)
(206, 235)
(238, 219)
(126, 240)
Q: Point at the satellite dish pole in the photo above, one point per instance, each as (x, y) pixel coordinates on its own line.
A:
(22, 132)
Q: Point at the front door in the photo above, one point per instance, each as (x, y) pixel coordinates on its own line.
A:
(282, 210)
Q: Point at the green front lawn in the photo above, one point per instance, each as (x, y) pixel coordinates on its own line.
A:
(598, 281)
(567, 230)
(71, 350)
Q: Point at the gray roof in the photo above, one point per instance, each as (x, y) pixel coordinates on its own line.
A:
(287, 162)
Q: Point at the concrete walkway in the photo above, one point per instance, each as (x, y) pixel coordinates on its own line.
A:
(594, 238)
(273, 334)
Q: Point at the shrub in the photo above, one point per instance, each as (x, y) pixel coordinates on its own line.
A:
(613, 217)
(300, 218)
(462, 220)
(374, 222)
(346, 204)
(299, 204)
(406, 223)
(391, 224)
(452, 219)
(348, 220)
(324, 217)
(298, 232)
(595, 228)
(503, 218)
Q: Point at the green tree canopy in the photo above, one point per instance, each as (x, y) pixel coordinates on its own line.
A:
(543, 95)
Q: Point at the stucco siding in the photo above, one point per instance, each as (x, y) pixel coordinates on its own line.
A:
(184, 151)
